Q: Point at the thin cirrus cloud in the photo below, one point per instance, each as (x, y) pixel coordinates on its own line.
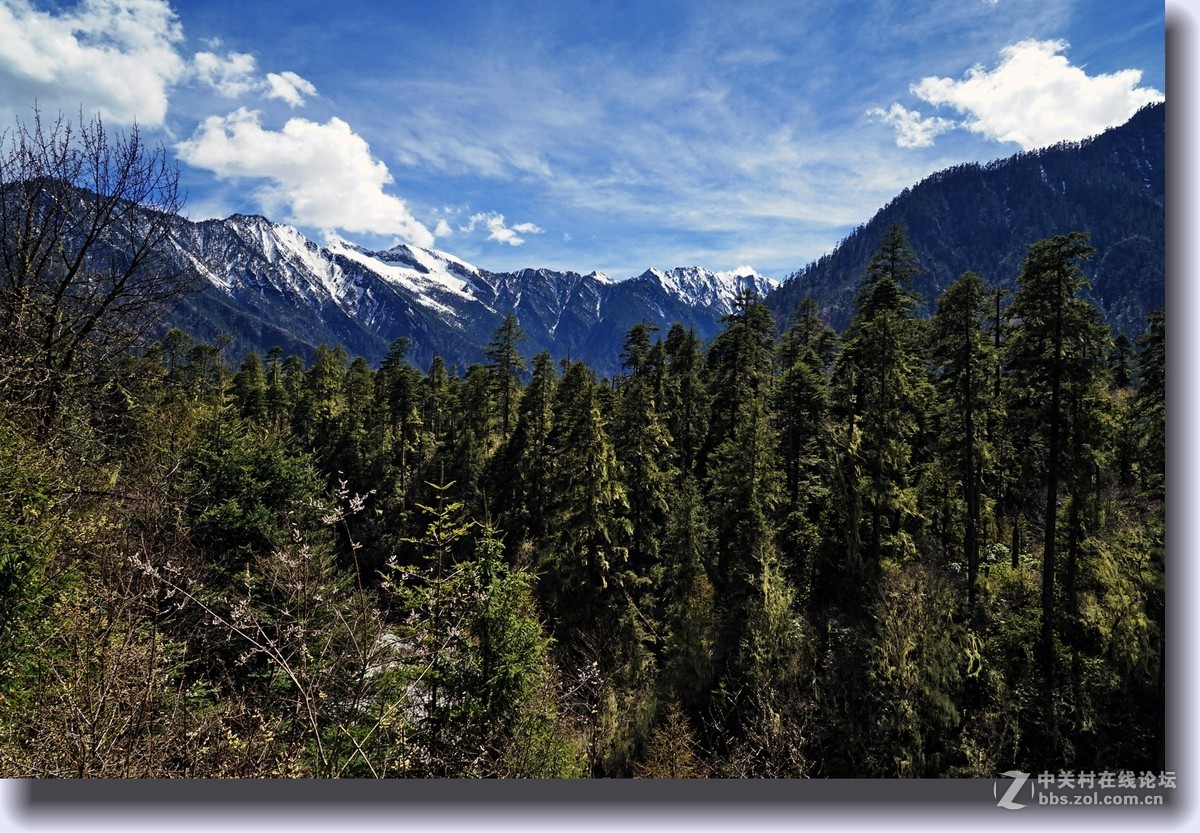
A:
(696, 134)
(318, 175)
(1033, 97)
(116, 57)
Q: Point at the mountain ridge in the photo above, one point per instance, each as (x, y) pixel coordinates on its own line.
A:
(272, 279)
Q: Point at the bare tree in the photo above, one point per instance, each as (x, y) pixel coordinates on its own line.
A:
(86, 263)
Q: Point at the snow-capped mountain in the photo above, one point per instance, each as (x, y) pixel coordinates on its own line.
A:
(267, 284)
(695, 285)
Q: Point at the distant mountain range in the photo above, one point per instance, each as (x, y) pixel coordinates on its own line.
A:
(267, 284)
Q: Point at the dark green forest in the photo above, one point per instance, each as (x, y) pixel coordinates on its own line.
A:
(923, 547)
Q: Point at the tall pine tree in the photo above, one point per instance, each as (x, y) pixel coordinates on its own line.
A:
(1042, 356)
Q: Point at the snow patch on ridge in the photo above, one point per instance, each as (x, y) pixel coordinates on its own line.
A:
(409, 279)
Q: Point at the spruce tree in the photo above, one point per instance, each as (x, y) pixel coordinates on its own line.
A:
(880, 396)
(324, 400)
(642, 447)
(397, 388)
(506, 364)
(587, 546)
(276, 396)
(740, 364)
(250, 388)
(745, 486)
(1152, 404)
(685, 397)
(1042, 356)
(688, 601)
(965, 362)
(525, 465)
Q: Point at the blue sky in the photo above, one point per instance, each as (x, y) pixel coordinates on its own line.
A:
(612, 136)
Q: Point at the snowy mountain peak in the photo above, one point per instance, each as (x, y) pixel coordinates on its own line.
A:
(427, 275)
(700, 286)
(429, 261)
(745, 271)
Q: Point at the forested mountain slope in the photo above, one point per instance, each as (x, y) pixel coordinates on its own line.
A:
(981, 218)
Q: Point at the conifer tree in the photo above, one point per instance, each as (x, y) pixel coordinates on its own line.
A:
(880, 393)
(893, 261)
(1121, 360)
(808, 331)
(685, 397)
(745, 489)
(688, 601)
(1152, 403)
(739, 364)
(1090, 419)
(350, 452)
(204, 374)
(359, 385)
(397, 388)
(526, 464)
(642, 447)
(801, 403)
(250, 388)
(1042, 357)
(472, 438)
(587, 548)
(324, 400)
(965, 362)
(434, 397)
(744, 482)
(506, 364)
(276, 396)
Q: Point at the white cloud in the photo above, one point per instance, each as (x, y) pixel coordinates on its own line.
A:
(443, 229)
(912, 131)
(1035, 97)
(289, 87)
(499, 231)
(231, 75)
(116, 57)
(320, 175)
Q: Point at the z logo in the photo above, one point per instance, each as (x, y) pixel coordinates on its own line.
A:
(1019, 779)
